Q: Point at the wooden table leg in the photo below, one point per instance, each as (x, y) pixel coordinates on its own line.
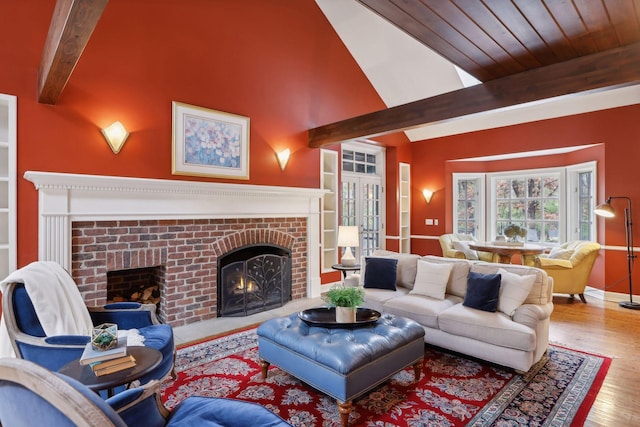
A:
(345, 410)
(417, 369)
(264, 365)
(504, 259)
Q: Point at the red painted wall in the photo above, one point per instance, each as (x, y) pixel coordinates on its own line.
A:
(278, 62)
(618, 132)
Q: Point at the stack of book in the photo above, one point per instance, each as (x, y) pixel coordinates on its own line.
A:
(113, 365)
(108, 361)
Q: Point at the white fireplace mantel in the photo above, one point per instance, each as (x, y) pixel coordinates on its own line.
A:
(64, 198)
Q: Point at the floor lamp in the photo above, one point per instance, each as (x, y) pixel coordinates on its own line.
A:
(607, 211)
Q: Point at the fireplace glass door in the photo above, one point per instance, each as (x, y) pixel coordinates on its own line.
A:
(253, 279)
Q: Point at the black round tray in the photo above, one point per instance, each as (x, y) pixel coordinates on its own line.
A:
(326, 317)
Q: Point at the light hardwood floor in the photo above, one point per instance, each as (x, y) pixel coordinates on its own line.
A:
(604, 328)
(598, 327)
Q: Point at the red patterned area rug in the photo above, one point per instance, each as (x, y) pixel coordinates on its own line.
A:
(452, 391)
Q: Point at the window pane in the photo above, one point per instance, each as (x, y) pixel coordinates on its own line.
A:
(517, 188)
(533, 187)
(533, 209)
(551, 210)
(359, 157)
(471, 209)
(517, 210)
(503, 211)
(461, 212)
(502, 189)
(551, 186)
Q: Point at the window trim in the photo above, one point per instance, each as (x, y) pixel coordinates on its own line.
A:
(568, 176)
(573, 225)
(526, 173)
(481, 221)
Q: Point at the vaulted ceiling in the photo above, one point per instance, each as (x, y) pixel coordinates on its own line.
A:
(497, 38)
(523, 51)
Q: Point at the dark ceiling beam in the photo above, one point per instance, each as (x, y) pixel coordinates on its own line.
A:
(613, 68)
(71, 27)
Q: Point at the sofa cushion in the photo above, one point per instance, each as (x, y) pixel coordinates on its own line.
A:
(457, 284)
(539, 293)
(482, 291)
(492, 328)
(514, 289)
(380, 273)
(423, 310)
(376, 298)
(407, 268)
(431, 279)
(464, 248)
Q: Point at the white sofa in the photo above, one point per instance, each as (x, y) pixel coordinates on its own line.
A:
(517, 341)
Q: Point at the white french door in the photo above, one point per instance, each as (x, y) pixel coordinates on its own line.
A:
(363, 206)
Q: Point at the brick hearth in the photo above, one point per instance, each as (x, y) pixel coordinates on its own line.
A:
(188, 250)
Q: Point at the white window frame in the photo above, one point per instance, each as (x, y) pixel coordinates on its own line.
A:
(480, 178)
(569, 215)
(573, 222)
(491, 200)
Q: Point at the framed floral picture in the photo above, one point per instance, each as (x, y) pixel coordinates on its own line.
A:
(209, 143)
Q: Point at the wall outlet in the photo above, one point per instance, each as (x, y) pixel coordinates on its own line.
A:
(435, 222)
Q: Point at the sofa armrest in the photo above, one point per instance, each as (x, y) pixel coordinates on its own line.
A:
(553, 264)
(125, 315)
(531, 314)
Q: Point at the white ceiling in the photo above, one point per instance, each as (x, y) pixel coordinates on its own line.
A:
(403, 70)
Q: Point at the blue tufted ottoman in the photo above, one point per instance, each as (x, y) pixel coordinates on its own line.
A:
(341, 362)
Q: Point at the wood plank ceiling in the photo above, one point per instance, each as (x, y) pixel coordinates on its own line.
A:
(495, 40)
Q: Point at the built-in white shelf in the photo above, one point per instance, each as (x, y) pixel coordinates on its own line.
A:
(404, 215)
(8, 112)
(329, 208)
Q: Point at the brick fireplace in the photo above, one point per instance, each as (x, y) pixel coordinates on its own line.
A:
(95, 224)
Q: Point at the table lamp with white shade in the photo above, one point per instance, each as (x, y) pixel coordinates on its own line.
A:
(348, 238)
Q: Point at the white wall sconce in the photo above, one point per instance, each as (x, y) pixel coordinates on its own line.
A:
(428, 194)
(283, 158)
(116, 135)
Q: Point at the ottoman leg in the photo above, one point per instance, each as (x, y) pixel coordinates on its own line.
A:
(264, 365)
(345, 409)
(417, 369)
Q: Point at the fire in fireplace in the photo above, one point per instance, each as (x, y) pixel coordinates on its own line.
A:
(252, 279)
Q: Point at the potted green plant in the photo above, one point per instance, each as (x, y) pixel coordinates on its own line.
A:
(346, 300)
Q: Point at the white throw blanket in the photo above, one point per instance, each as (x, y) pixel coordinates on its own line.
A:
(56, 300)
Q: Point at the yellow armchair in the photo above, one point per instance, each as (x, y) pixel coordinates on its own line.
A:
(454, 245)
(570, 266)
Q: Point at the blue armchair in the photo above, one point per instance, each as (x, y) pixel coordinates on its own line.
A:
(32, 395)
(30, 342)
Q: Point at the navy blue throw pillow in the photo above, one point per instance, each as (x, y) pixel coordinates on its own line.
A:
(380, 273)
(483, 291)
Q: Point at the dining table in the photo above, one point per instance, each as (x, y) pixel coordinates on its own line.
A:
(506, 250)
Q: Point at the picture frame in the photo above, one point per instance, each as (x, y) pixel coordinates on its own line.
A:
(209, 143)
